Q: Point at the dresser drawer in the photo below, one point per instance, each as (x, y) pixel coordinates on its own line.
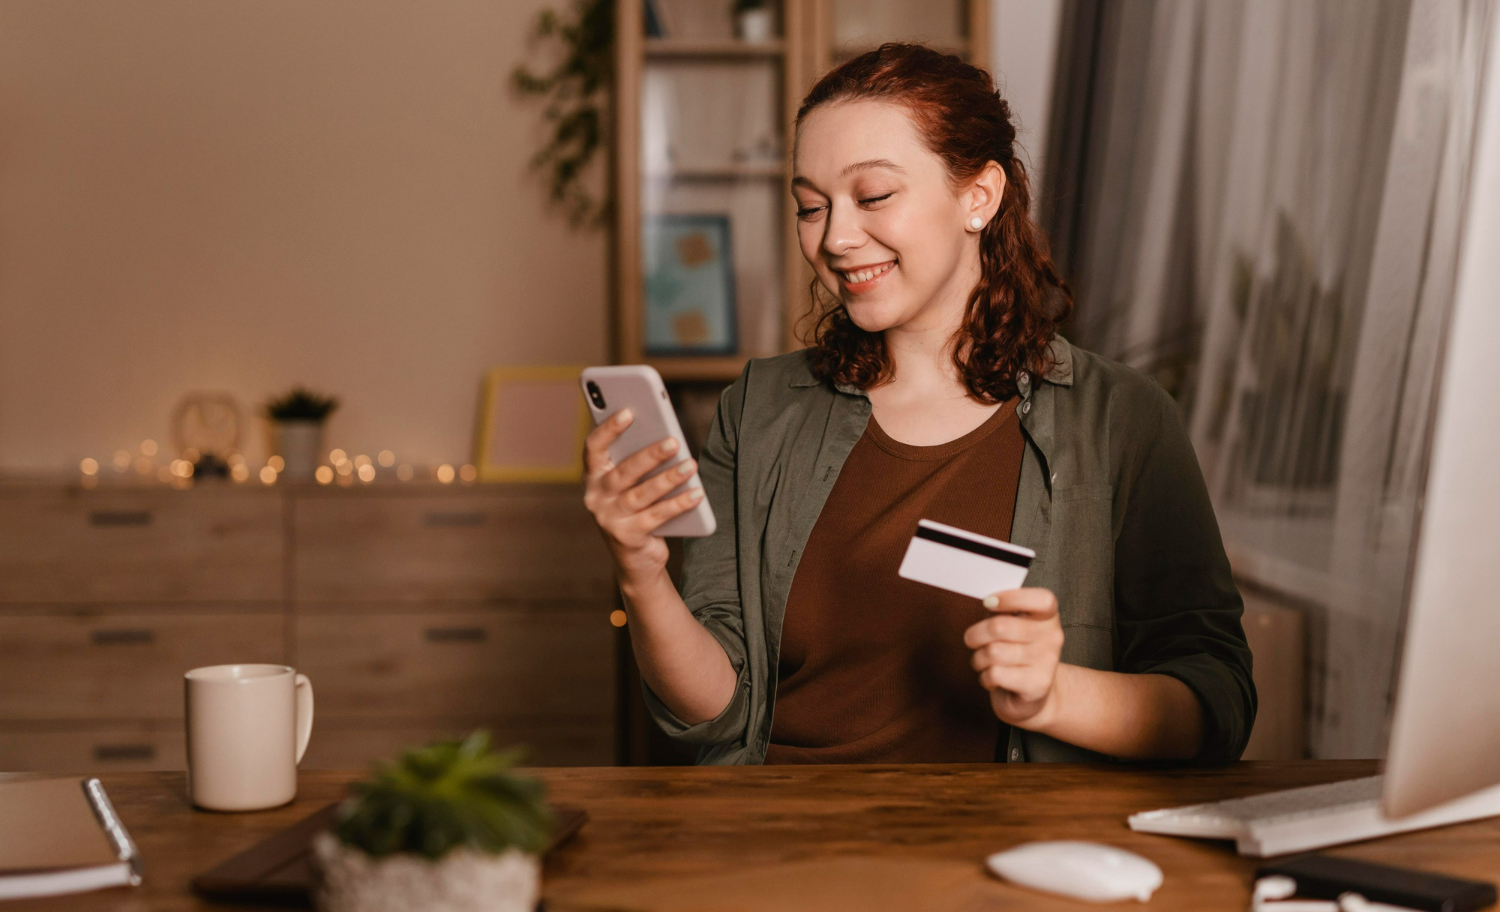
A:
(565, 742)
(150, 545)
(551, 663)
(103, 750)
(121, 666)
(480, 545)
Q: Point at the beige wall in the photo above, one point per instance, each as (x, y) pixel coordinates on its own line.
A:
(244, 194)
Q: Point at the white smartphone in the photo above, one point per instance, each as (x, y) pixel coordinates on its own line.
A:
(639, 388)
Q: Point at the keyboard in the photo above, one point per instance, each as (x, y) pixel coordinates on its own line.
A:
(1301, 819)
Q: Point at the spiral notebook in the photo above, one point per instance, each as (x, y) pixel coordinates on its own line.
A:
(62, 836)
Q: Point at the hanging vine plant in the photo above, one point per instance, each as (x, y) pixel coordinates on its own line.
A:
(575, 89)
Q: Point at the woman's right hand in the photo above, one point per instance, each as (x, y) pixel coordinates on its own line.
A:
(625, 507)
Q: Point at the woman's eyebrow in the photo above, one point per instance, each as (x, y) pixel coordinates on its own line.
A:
(872, 163)
(800, 181)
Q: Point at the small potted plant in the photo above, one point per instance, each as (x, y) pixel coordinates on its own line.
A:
(754, 20)
(444, 828)
(297, 430)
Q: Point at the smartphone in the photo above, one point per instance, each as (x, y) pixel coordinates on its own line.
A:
(1327, 876)
(639, 388)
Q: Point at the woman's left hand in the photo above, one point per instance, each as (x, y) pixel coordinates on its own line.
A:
(1016, 652)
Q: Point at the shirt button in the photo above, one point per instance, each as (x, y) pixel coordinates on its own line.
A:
(1026, 408)
(1015, 754)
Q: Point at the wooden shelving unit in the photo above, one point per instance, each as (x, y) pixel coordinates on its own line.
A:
(681, 149)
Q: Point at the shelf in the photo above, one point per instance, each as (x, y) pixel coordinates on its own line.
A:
(721, 172)
(726, 49)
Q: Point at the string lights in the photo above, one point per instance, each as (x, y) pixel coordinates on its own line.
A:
(340, 468)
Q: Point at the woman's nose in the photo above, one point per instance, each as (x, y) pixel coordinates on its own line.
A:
(841, 232)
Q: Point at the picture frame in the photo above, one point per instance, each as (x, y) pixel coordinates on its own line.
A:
(689, 285)
(531, 425)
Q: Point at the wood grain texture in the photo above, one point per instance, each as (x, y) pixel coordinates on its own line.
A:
(528, 542)
(824, 838)
(340, 744)
(118, 667)
(533, 663)
(96, 748)
(65, 544)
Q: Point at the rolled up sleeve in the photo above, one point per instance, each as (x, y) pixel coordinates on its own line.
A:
(710, 584)
(1177, 610)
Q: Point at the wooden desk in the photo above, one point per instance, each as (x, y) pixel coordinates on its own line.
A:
(825, 838)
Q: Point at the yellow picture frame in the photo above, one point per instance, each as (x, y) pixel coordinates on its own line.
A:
(514, 396)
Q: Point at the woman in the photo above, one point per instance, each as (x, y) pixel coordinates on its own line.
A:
(936, 388)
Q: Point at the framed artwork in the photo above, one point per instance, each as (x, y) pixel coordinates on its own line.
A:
(689, 285)
(532, 421)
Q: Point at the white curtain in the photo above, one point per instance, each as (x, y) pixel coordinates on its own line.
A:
(1273, 235)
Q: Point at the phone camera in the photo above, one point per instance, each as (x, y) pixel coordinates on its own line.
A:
(595, 395)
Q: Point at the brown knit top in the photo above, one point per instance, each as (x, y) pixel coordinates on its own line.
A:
(872, 667)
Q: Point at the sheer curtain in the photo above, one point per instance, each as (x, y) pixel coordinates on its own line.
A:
(1261, 210)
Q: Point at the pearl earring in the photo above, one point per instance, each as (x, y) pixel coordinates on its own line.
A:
(976, 223)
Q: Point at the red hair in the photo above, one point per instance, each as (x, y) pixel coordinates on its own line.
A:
(1018, 303)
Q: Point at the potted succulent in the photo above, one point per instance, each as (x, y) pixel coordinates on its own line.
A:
(754, 20)
(444, 828)
(297, 430)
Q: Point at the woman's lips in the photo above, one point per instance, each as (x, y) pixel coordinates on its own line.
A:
(858, 281)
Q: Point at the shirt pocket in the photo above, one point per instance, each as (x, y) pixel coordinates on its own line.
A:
(1084, 554)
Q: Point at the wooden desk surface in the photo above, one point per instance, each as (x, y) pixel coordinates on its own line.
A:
(825, 838)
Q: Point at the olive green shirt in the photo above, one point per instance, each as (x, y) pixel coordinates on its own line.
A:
(1111, 499)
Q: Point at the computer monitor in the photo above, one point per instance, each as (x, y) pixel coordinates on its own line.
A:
(1445, 737)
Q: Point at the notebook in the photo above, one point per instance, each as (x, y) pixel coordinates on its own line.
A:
(62, 836)
(278, 870)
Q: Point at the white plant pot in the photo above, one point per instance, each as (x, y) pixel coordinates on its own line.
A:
(461, 881)
(755, 25)
(300, 443)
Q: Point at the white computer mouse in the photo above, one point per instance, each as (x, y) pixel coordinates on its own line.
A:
(1082, 870)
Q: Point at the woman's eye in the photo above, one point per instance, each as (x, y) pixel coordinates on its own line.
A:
(807, 212)
(875, 199)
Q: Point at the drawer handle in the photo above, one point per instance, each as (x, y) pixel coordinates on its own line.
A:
(123, 637)
(455, 634)
(113, 519)
(107, 752)
(453, 519)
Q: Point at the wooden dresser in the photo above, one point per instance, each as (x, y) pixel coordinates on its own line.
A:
(418, 610)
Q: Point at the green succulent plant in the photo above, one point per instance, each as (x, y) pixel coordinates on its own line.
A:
(445, 796)
(301, 405)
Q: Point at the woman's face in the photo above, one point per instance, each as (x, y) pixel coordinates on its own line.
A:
(879, 219)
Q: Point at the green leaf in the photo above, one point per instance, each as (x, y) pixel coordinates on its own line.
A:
(450, 794)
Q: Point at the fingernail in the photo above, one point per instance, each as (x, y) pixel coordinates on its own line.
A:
(991, 601)
(685, 468)
(668, 445)
(622, 416)
(695, 494)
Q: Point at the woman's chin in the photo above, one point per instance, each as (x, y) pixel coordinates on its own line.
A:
(873, 316)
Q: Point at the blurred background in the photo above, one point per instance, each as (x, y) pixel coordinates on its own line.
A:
(425, 218)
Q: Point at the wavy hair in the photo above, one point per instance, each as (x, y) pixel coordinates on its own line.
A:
(1019, 301)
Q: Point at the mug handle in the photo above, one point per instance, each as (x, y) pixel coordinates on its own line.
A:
(304, 714)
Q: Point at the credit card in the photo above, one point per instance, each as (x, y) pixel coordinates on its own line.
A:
(964, 562)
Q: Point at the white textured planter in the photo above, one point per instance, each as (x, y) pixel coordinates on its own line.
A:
(755, 25)
(300, 443)
(461, 881)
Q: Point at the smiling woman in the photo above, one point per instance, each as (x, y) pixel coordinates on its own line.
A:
(937, 388)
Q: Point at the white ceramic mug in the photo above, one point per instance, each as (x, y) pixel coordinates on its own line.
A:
(247, 729)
